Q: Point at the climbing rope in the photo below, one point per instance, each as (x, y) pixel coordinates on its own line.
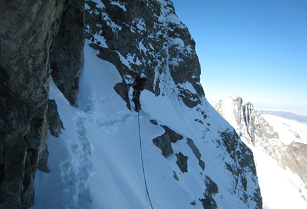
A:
(143, 161)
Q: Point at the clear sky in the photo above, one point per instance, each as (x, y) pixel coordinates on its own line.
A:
(255, 49)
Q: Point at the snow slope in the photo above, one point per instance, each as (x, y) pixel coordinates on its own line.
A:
(96, 161)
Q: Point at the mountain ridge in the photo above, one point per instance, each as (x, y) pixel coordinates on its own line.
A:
(261, 137)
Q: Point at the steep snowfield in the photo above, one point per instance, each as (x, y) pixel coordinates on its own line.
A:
(96, 161)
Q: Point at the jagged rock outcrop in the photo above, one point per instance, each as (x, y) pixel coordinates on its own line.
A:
(122, 91)
(13, 148)
(147, 37)
(67, 50)
(196, 152)
(54, 120)
(27, 31)
(211, 190)
(182, 162)
(249, 124)
(257, 132)
(164, 142)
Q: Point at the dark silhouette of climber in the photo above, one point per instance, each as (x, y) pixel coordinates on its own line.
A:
(138, 86)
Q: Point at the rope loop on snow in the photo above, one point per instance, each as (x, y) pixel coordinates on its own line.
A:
(143, 161)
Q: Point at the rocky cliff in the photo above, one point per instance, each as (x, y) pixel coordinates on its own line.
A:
(146, 36)
(258, 133)
(30, 31)
(249, 124)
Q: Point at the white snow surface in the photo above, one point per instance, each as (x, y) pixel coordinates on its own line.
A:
(279, 187)
(96, 161)
(289, 130)
(120, 5)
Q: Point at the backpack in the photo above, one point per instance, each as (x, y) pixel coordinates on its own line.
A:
(142, 83)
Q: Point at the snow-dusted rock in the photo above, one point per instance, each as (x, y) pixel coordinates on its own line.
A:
(27, 31)
(146, 37)
(182, 162)
(279, 141)
(54, 121)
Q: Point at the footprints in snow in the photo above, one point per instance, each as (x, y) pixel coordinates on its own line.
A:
(77, 170)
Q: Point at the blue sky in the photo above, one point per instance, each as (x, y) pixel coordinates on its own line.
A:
(256, 49)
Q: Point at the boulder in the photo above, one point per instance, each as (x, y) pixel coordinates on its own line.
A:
(212, 189)
(164, 143)
(182, 162)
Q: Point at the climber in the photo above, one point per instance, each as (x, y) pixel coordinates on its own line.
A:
(138, 86)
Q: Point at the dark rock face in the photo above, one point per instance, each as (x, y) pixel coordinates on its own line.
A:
(122, 91)
(12, 187)
(27, 31)
(245, 159)
(196, 152)
(145, 34)
(164, 141)
(211, 190)
(241, 164)
(263, 130)
(67, 50)
(182, 162)
(54, 120)
(174, 136)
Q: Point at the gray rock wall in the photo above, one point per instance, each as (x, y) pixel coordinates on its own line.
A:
(259, 133)
(27, 31)
(241, 166)
(67, 50)
(142, 30)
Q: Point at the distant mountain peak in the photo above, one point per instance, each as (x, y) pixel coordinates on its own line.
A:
(258, 134)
